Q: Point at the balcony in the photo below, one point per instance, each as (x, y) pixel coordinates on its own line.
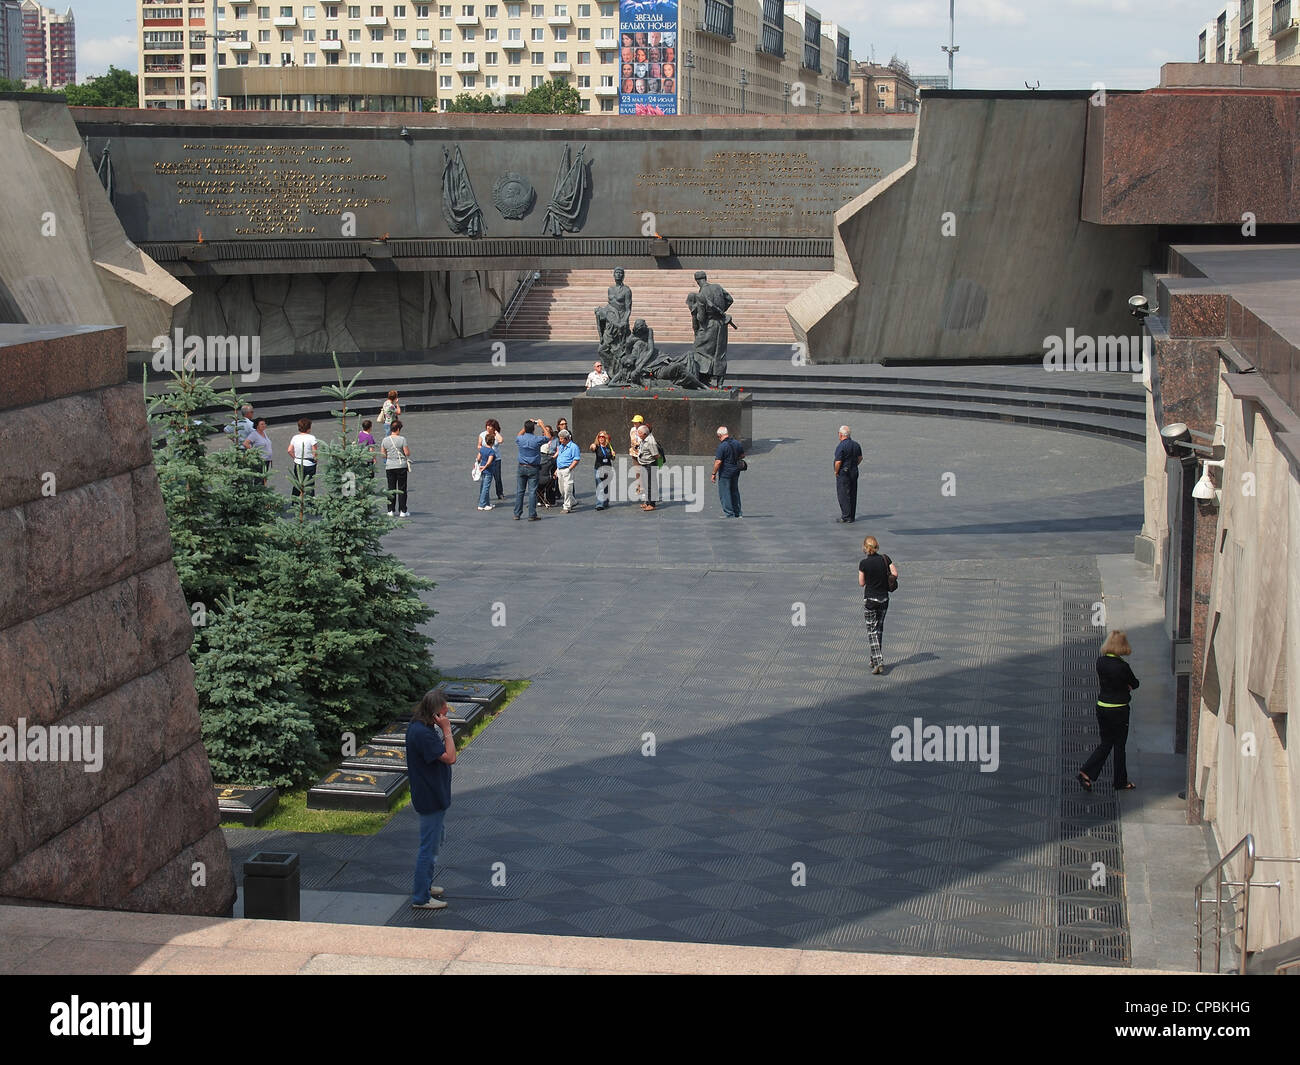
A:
(241, 3)
(560, 20)
(607, 90)
(331, 46)
(607, 46)
(164, 46)
(285, 22)
(1283, 23)
(515, 46)
(375, 20)
(240, 46)
(422, 46)
(559, 68)
(466, 20)
(467, 68)
(163, 68)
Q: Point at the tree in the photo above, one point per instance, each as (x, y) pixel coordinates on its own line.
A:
(549, 98)
(117, 88)
(486, 104)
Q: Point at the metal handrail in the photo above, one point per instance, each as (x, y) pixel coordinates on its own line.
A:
(1247, 844)
(522, 289)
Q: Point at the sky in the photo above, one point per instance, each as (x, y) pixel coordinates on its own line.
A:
(1056, 44)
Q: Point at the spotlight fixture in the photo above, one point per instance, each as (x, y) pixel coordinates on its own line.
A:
(1205, 489)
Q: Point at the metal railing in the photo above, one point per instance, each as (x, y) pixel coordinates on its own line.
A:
(1236, 898)
(522, 289)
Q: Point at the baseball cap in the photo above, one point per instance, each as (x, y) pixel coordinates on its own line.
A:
(637, 419)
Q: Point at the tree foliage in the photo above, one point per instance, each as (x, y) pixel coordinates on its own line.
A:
(117, 88)
(549, 98)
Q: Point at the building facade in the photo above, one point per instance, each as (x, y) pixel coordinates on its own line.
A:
(753, 55)
(883, 90)
(13, 53)
(49, 45)
(1252, 31)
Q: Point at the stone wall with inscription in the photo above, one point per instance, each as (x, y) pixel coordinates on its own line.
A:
(309, 177)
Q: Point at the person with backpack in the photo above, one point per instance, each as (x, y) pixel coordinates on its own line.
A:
(728, 461)
(877, 577)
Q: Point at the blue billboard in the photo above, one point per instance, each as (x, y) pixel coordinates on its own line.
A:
(647, 83)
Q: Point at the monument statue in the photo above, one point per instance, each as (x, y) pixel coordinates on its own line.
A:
(612, 323)
(572, 186)
(459, 204)
(710, 321)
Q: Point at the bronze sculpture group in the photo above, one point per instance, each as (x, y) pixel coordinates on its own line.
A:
(628, 348)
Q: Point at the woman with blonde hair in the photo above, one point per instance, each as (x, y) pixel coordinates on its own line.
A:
(1115, 681)
(876, 574)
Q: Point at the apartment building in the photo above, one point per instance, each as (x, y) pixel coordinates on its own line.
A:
(13, 52)
(50, 46)
(883, 90)
(728, 56)
(1253, 31)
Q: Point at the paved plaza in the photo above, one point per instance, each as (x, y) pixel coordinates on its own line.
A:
(703, 755)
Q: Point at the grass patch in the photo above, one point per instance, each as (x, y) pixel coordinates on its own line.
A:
(292, 815)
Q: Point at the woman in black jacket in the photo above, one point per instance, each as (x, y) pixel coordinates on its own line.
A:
(1116, 681)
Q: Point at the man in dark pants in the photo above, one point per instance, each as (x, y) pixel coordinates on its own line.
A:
(726, 472)
(848, 457)
(430, 752)
(530, 457)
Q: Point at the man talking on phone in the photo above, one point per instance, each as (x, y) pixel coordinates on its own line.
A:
(430, 752)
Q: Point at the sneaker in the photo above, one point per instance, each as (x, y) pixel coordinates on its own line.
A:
(488, 507)
(480, 508)
(432, 904)
(435, 891)
(534, 517)
(390, 513)
(406, 513)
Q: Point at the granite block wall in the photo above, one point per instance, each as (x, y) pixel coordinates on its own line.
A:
(94, 632)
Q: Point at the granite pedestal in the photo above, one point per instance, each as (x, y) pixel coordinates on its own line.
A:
(684, 421)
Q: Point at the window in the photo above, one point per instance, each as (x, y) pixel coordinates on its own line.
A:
(286, 11)
(538, 10)
(467, 57)
(584, 57)
(539, 35)
(399, 59)
(467, 10)
(286, 59)
(514, 35)
(561, 10)
(608, 10)
(489, 35)
(561, 33)
(354, 35)
(331, 59)
(444, 11)
(584, 11)
(377, 33)
(423, 59)
(331, 11)
(467, 34)
(606, 104)
(263, 13)
(377, 59)
(489, 59)
(444, 59)
(490, 11)
(241, 13)
(584, 104)
(399, 11)
(444, 35)
(264, 59)
(561, 57)
(354, 10)
(444, 105)
(263, 36)
(309, 59)
(584, 33)
(539, 58)
(490, 82)
(354, 59)
(421, 10)
(444, 81)
(513, 10)
(538, 81)
(399, 35)
(513, 59)
(608, 58)
(513, 81)
(607, 33)
(241, 59)
(331, 35)
(469, 80)
(376, 10)
(607, 81)
(308, 36)
(286, 36)
(584, 82)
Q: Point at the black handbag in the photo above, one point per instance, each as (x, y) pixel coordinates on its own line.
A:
(893, 581)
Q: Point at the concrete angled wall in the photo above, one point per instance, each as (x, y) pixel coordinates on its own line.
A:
(1021, 266)
(64, 257)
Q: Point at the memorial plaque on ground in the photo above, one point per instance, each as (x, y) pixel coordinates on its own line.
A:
(465, 713)
(390, 759)
(351, 789)
(393, 735)
(488, 693)
(249, 806)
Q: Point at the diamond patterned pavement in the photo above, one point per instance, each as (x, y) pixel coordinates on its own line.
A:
(772, 811)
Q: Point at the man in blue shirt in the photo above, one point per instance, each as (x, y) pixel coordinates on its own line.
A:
(566, 463)
(530, 455)
(242, 426)
(726, 472)
(848, 457)
(430, 752)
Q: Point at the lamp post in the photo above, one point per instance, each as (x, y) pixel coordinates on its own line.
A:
(786, 93)
(690, 81)
(951, 47)
(218, 35)
(744, 80)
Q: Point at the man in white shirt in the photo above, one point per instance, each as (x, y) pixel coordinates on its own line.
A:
(597, 377)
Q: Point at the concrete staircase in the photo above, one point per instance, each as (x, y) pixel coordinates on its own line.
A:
(561, 306)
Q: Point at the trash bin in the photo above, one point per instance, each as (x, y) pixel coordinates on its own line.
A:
(271, 886)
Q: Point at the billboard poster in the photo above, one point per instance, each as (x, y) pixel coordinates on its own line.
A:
(647, 83)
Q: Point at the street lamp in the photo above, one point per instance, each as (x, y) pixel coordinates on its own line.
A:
(690, 81)
(952, 48)
(744, 80)
(218, 35)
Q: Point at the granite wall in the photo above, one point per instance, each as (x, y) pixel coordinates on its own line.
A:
(310, 313)
(93, 637)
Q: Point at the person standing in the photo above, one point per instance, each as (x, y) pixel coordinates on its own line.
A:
(547, 490)
(495, 426)
(390, 410)
(566, 467)
(726, 472)
(874, 572)
(634, 448)
(848, 457)
(367, 440)
(530, 454)
(598, 376)
(258, 439)
(397, 465)
(488, 459)
(604, 468)
(304, 448)
(647, 456)
(243, 425)
(1115, 681)
(430, 754)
